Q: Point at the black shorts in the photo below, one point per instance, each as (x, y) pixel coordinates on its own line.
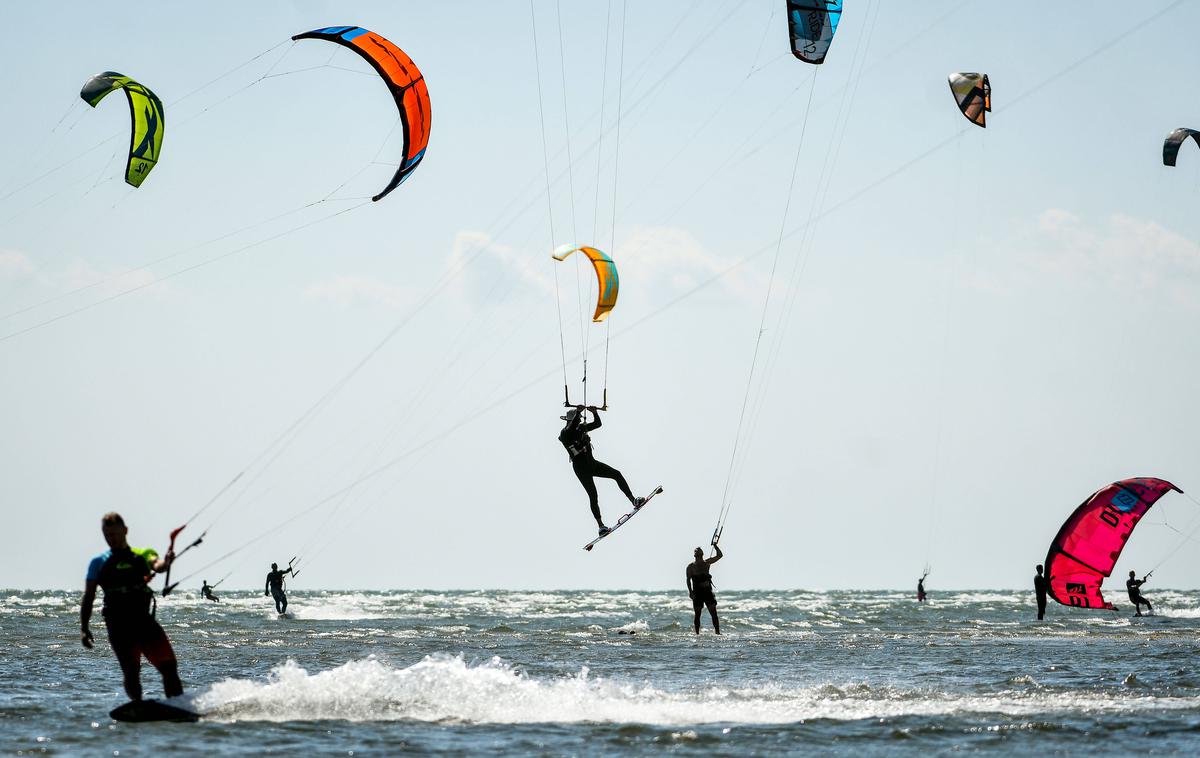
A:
(701, 598)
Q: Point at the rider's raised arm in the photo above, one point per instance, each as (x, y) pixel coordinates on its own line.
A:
(716, 557)
(159, 565)
(595, 424)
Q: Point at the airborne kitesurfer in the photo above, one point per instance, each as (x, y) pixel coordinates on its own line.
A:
(574, 437)
(274, 587)
(1134, 585)
(1039, 588)
(700, 587)
(207, 593)
(124, 573)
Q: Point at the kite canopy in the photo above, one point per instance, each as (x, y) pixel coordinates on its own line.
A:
(1089, 543)
(146, 112)
(1174, 141)
(606, 277)
(404, 80)
(812, 24)
(973, 93)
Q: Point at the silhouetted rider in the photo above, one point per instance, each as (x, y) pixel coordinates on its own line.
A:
(206, 591)
(1134, 585)
(274, 587)
(700, 587)
(574, 437)
(1039, 588)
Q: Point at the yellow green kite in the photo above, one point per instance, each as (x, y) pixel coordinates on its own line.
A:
(146, 112)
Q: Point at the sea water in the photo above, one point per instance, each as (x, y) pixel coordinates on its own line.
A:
(591, 673)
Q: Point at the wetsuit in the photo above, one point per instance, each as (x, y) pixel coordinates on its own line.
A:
(207, 593)
(1039, 588)
(275, 586)
(574, 437)
(920, 590)
(1135, 595)
(128, 611)
(702, 594)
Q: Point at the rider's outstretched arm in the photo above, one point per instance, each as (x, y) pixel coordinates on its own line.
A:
(716, 557)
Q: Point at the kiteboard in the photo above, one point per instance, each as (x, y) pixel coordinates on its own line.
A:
(623, 519)
(137, 711)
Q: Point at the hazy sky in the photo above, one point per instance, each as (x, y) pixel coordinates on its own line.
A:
(977, 329)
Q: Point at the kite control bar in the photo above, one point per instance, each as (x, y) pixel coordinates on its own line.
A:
(581, 407)
(568, 404)
(717, 535)
(167, 586)
(295, 573)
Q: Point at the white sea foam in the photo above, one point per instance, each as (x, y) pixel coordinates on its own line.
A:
(320, 609)
(1179, 613)
(443, 688)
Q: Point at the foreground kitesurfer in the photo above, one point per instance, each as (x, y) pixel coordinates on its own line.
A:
(574, 437)
(124, 573)
(700, 587)
(1039, 588)
(207, 593)
(274, 587)
(1134, 585)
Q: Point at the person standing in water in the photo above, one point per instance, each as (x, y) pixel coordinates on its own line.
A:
(207, 593)
(124, 573)
(574, 437)
(1039, 589)
(921, 588)
(274, 587)
(700, 587)
(1134, 585)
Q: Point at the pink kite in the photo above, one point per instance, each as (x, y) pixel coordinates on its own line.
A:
(1088, 545)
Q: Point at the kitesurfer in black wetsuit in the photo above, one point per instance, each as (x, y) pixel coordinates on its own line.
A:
(274, 587)
(1039, 588)
(921, 588)
(1134, 585)
(700, 587)
(124, 574)
(207, 593)
(574, 437)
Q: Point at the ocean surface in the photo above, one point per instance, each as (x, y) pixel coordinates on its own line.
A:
(594, 673)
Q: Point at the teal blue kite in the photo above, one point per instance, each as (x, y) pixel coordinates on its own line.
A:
(812, 24)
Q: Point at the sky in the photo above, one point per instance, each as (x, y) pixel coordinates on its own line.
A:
(967, 332)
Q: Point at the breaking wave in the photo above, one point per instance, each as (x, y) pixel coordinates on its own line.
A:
(444, 688)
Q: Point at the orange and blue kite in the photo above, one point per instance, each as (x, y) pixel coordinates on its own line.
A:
(404, 81)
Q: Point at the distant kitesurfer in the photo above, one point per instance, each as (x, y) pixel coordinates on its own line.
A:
(921, 588)
(207, 592)
(1134, 585)
(124, 573)
(274, 587)
(1039, 588)
(575, 439)
(700, 587)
